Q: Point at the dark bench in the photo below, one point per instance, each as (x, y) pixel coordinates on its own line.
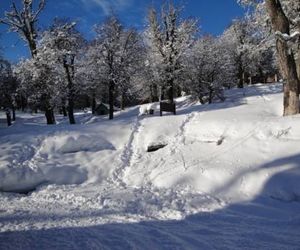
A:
(167, 107)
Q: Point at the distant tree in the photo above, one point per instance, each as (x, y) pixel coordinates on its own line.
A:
(131, 60)
(8, 87)
(113, 58)
(169, 38)
(91, 75)
(237, 38)
(150, 78)
(251, 49)
(207, 69)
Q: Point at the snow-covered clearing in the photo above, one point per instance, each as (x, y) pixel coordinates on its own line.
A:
(228, 178)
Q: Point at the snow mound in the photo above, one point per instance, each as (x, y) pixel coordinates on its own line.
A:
(48, 159)
(73, 143)
(26, 177)
(233, 150)
(20, 178)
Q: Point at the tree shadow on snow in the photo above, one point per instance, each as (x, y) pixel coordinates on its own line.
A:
(263, 223)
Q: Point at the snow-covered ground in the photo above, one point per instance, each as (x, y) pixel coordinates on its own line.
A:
(228, 178)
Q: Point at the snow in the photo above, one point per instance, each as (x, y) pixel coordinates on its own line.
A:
(145, 108)
(287, 37)
(228, 178)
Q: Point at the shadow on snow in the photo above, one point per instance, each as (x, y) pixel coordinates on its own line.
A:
(263, 223)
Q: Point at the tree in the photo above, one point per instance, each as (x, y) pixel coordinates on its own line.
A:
(169, 39)
(131, 60)
(281, 25)
(90, 73)
(239, 42)
(207, 69)
(65, 43)
(48, 79)
(41, 81)
(8, 87)
(284, 16)
(24, 21)
(150, 78)
(113, 56)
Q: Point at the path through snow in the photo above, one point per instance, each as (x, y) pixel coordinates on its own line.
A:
(196, 193)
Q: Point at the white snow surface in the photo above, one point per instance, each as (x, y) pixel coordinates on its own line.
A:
(228, 178)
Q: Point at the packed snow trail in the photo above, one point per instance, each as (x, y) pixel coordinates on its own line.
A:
(228, 178)
(267, 224)
(126, 155)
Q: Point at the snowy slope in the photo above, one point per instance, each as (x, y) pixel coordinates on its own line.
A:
(228, 178)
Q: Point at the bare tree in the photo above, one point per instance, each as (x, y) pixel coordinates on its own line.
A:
(65, 41)
(23, 21)
(169, 39)
(115, 55)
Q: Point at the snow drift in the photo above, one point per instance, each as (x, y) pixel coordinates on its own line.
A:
(226, 165)
(48, 159)
(228, 149)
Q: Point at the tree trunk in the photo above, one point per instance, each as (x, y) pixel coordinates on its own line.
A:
(201, 99)
(49, 116)
(178, 91)
(286, 58)
(122, 100)
(13, 108)
(87, 101)
(8, 117)
(111, 99)
(162, 93)
(64, 111)
(298, 51)
(32, 47)
(298, 61)
(241, 78)
(23, 103)
(71, 92)
(210, 98)
(171, 90)
(153, 93)
(71, 111)
(93, 103)
(53, 116)
(261, 75)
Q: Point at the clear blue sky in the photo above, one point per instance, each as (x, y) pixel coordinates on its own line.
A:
(214, 16)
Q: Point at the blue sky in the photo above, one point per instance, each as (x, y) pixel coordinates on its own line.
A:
(214, 16)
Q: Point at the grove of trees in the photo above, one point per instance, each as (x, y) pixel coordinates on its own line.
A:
(123, 66)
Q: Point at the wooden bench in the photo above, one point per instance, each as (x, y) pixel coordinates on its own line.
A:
(167, 107)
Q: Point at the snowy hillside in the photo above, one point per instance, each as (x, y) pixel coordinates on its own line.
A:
(228, 177)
